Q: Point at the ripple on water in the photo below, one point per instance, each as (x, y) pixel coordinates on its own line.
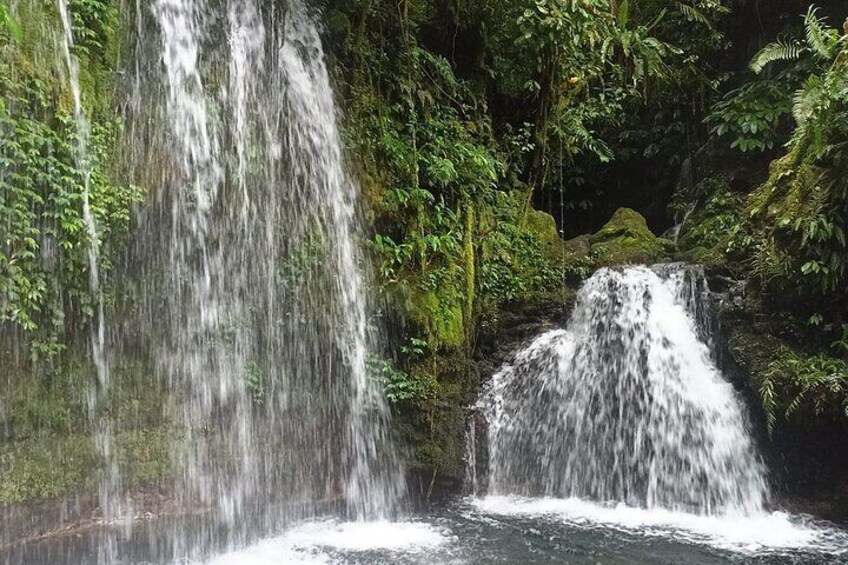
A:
(775, 531)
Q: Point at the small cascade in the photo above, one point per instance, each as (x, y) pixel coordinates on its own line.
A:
(626, 404)
(471, 480)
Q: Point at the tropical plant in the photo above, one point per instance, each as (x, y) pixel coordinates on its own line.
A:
(751, 115)
(797, 383)
(801, 213)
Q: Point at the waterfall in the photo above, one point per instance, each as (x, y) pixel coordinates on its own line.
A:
(250, 279)
(111, 502)
(625, 405)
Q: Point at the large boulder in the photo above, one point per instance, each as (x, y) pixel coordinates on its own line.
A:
(626, 239)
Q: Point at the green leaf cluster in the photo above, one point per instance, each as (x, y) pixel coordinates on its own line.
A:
(796, 384)
(44, 287)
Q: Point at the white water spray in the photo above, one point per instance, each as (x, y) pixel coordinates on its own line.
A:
(254, 292)
(625, 405)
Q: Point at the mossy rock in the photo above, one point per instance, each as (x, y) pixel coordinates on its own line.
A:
(578, 250)
(431, 430)
(753, 352)
(440, 316)
(626, 239)
(710, 258)
(544, 227)
(52, 466)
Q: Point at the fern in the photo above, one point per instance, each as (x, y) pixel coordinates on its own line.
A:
(693, 14)
(769, 403)
(807, 99)
(780, 50)
(795, 383)
(820, 41)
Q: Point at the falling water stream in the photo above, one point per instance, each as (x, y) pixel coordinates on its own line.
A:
(254, 305)
(111, 503)
(247, 279)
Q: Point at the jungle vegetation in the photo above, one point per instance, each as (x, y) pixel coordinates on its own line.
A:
(490, 137)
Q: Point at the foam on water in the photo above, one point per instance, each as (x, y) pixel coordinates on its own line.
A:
(314, 542)
(764, 531)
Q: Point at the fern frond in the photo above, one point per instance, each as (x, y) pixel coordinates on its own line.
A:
(769, 403)
(820, 41)
(693, 14)
(807, 99)
(780, 50)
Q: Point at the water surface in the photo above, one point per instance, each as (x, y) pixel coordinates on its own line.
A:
(501, 530)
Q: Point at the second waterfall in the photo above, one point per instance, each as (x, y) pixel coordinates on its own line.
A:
(626, 405)
(247, 267)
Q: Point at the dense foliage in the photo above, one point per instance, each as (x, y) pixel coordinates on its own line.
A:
(43, 267)
(482, 133)
(788, 235)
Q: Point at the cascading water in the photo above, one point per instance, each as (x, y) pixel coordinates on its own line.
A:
(251, 285)
(111, 502)
(625, 405)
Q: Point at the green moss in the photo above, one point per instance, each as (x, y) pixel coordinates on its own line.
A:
(544, 228)
(51, 466)
(708, 257)
(45, 468)
(50, 398)
(625, 222)
(795, 228)
(144, 456)
(626, 239)
(432, 431)
(440, 315)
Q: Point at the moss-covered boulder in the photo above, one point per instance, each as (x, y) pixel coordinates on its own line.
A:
(626, 239)
(544, 227)
(711, 258)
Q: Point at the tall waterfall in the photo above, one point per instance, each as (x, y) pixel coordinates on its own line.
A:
(625, 405)
(250, 280)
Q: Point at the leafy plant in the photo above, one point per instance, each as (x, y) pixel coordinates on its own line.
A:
(795, 382)
(43, 246)
(821, 42)
(751, 115)
(798, 217)
(398, 385)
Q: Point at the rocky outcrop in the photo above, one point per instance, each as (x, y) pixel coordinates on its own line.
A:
(807, 454)
(436, 437)
(626, 239)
